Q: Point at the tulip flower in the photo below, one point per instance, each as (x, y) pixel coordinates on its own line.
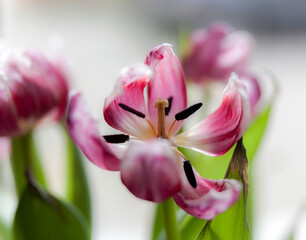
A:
(146, 154)
(32, 88)
(216, 52)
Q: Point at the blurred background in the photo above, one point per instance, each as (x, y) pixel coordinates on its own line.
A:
(101, 37)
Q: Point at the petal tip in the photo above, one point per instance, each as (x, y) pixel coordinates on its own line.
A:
(134, 72)
(157, 54)
(210, 198)
(234, 83)
(138, 73)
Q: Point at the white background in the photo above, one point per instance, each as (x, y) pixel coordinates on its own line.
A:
(100, 39)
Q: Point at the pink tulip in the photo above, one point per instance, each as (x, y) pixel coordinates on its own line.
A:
(32, 88)
(216, 52)
(151, 166)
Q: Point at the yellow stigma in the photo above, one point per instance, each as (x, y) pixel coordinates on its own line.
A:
(161, 104)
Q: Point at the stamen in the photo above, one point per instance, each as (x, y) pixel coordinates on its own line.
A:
(179, 153)
(161, 104)
(190, 174)
(171, 128)
(117, 138)
(152, 126)
(131, 110)
(167, 109)
(187, 112)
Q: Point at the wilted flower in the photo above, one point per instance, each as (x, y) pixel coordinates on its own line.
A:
(152, 168)
(31, 88)
(218, 51)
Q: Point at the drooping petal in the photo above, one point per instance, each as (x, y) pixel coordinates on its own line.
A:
(167, 81)
(217, 133)
(150, 170)
(129, 91)
(216, 52)
(209, 198)
(84, 132)
(253, 90)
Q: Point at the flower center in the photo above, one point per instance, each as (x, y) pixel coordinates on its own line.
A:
(161, 105)
(163, 108)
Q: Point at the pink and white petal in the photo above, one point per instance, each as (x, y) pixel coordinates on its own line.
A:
(234, 54)
(217, 133)
(84, 132)
(253, 90)
(35, 87)
(5, 147)
(129, 91)
(8, 115)
(200, 63)
(167, 81)
(150, 170)
(49, 75)
(209, 198)
(217, 52)
(32, 100)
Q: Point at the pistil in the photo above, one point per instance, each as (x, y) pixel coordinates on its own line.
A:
(161, 105)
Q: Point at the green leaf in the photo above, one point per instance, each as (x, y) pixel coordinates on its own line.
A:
(190, 226)
(77, 185)
(252, 139)
(5, 231)
(24, 157)
(42, 216)
(254, 134)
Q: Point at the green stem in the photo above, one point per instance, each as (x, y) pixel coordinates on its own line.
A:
(20, 160)
(36, 165)
(170, 221)
(24, 158)
(77, 189)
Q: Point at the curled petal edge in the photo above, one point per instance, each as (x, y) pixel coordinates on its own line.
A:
(84, 132)
(129, 91)
(217, 133)
(210, 198)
